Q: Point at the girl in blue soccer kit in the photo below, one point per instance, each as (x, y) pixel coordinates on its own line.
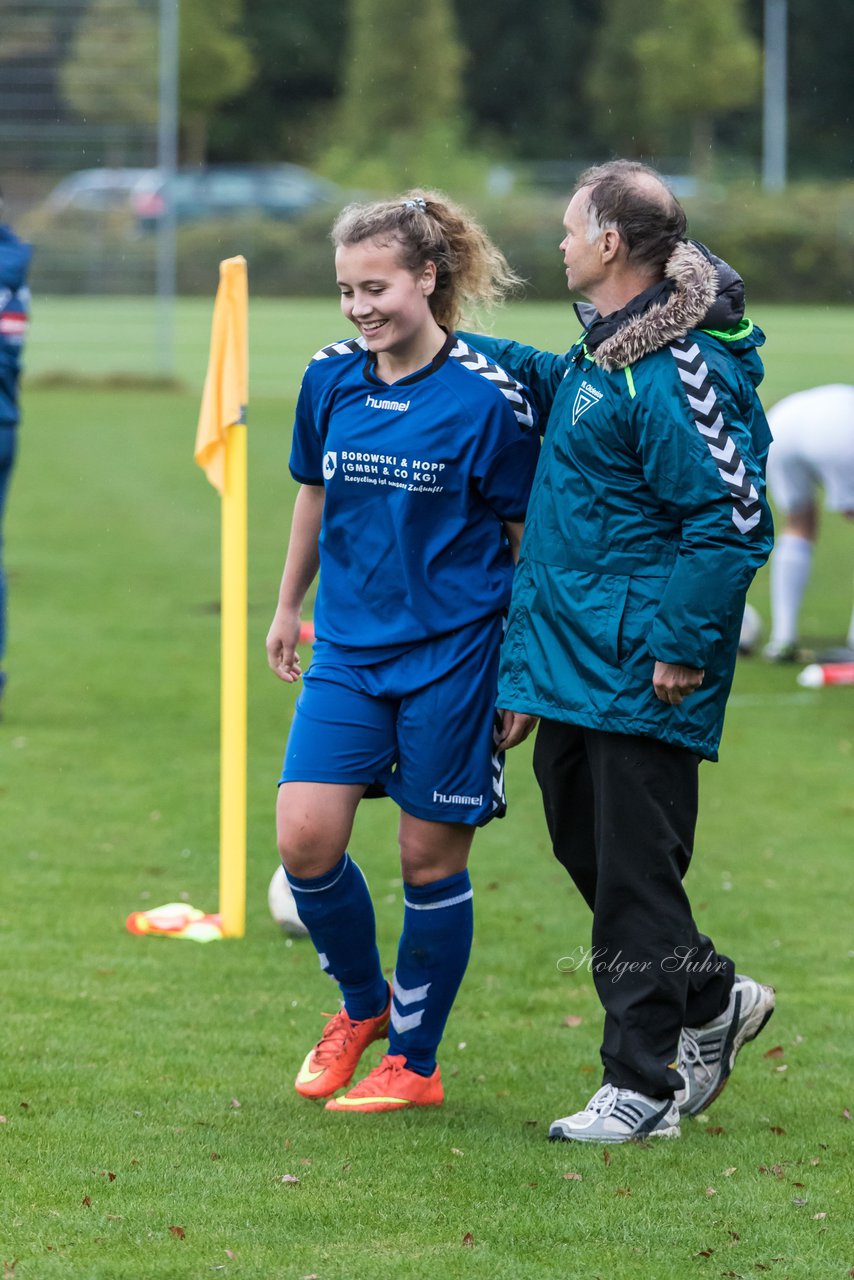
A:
(415, 457)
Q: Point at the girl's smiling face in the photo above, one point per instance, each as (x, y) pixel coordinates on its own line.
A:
(387, 303)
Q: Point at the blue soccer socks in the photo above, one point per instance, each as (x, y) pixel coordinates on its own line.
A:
(434, 950)
(336, 909)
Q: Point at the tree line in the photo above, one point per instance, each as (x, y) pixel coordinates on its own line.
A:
(554, 80)
(369, 91)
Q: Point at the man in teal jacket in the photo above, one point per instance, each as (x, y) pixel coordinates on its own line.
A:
(646, 524)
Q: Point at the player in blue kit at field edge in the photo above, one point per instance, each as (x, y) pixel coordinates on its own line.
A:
(14, 314)
(415, 457)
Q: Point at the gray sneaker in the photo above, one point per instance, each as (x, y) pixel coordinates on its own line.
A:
(707, 1054)
(781, 651)
(619, 1115)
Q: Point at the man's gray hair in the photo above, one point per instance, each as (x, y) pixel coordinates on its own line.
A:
(632, 199)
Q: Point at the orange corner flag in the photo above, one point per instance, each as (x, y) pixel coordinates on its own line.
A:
(227, 382)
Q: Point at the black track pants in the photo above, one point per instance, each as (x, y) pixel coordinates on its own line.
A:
(621, 812)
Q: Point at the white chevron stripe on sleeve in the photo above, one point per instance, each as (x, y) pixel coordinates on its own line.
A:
(744, 526)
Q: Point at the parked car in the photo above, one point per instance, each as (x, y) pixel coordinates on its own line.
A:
(94, 191)
(223, 191)
(218, 191)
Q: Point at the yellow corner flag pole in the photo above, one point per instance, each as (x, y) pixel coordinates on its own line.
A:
(221, 451)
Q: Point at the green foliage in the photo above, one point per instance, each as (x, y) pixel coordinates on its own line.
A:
(215, 64)
(111, 72)
(400, 121)
(522, 81)
(795, 246)
(298, 72)
(661, 74)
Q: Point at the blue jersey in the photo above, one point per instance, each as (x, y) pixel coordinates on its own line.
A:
(419, 476)
(14, 313)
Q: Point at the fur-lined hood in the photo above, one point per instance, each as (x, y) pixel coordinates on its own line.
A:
(698, 291)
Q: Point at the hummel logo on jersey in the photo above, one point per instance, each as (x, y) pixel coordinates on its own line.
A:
(330, 464)
(399, 405)
(586, 396)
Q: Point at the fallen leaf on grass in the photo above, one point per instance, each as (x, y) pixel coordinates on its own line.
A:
(468, 1239)
(797, 1184)
(704, 1253)
(572, 1020)
(111, 1177)
(776, 1052)
(86, 1202)
(606, 1155)
(178, 1232)
(730, 1171)
(115, 1217)
(215, 1155)
(235, 1104)
(815, 1160)
(623, 1191)
(9, 1269)
(816, 1216)
(799, 1200)
(734, 1236)
(231, 1255)
(455, 1151)
(573, 1177)
(731, 1273)
(775, 1128)
(710, 1191)
(305, 1161)
(25, 1106)
(846, 1114)
(780, 1070)
(4, 1119)
(714, 1130)
(289, 1179)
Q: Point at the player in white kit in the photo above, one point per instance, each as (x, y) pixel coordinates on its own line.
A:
(813, 448)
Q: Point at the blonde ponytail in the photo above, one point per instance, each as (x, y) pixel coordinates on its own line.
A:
(471, 271)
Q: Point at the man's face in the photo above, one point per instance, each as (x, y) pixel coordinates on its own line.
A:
(582, 259)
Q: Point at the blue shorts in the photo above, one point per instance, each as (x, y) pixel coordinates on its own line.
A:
(417, 727)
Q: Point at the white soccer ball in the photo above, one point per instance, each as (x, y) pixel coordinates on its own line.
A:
(751, 630)
(283, 909)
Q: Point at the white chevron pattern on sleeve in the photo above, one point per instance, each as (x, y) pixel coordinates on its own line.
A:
(708, 419)
(512, 390)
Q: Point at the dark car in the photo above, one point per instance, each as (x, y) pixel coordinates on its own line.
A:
(224, 191)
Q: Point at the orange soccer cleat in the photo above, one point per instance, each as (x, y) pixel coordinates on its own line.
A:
(332, 1061)
(391, 1087)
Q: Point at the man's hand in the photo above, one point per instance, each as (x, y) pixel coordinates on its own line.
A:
(515, 727)
(673, 683)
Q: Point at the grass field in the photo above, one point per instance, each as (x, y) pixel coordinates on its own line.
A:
(145, 1085)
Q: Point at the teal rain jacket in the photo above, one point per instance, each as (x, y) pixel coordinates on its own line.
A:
(647, 519)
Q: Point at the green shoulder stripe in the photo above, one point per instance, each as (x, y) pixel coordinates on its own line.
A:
(630, 381)
(743, 330)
